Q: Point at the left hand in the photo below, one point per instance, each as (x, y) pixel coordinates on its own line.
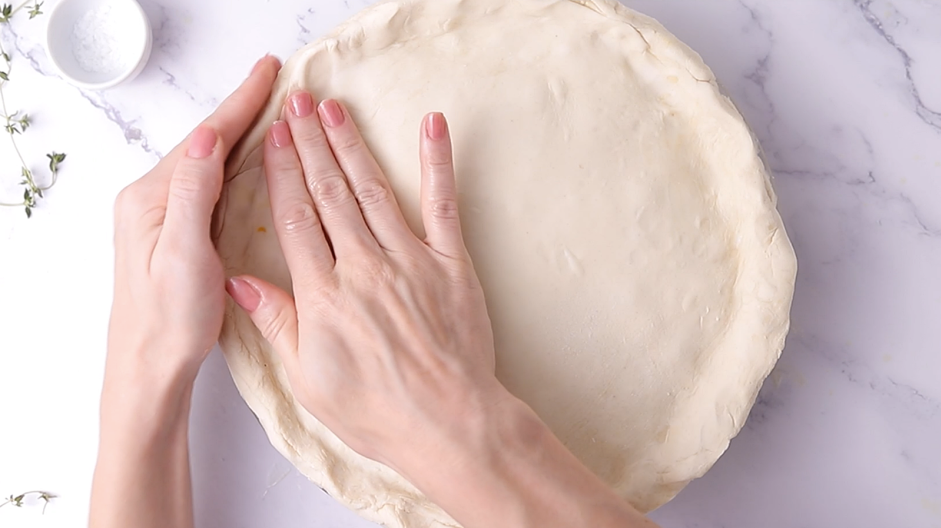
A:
(169, 292)
(169, 298)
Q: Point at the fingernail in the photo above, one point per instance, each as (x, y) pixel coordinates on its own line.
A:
(243, 293)
(331, 113)
(280, 134)
(202, 142)
(302, 104)
(436, 126)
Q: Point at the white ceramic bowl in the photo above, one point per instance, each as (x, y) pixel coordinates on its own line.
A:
(97, 44)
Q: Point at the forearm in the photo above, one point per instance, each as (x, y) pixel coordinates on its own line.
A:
(142, 477)
(517, 474)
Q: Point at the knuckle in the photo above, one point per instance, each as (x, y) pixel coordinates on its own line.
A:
(318, 299)
(445, 209)
(376, 271)
(274, 323)
(415, 265)
(135, 206)
(299, 217)
(308, 134)
(371, 193)
(348, 146)
(131, 198)
(126, 201)
(185, 186)
(281, 161)
(437, 161)
(331, 190)
(461, 275)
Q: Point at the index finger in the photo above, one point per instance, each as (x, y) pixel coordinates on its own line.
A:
(236, 113)
(230, 121)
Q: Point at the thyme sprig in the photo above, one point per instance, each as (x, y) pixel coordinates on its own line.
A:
(7, 11)
(16, 123)
(17, 500)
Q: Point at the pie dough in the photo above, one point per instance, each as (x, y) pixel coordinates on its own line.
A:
(615, 204)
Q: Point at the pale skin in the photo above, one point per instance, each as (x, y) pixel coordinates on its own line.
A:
(385, 336)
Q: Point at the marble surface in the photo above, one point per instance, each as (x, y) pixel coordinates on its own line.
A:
(845, 96)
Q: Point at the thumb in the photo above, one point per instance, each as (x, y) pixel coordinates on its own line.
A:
(271, 309)
(195, 187)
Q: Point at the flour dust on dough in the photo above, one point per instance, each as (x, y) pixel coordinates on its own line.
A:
(622, 222)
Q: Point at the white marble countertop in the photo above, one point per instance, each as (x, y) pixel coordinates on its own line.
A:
(845, 96)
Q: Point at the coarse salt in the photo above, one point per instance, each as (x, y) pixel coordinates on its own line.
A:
(100, 40)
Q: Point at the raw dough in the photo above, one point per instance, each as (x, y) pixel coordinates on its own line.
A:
(622, 222)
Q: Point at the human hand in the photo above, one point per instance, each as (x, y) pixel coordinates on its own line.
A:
(387, 340)
(169, 285)
(167, 313)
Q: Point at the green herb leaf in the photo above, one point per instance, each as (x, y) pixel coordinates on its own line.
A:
(55, 159)
(15, 124)
(34, 10)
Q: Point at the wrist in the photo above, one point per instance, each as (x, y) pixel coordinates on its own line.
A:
(152, 350)
(151, 359)
(511, 468)
(143, 398)
(471, 461)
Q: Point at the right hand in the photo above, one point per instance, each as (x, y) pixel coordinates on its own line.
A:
(386, 340)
